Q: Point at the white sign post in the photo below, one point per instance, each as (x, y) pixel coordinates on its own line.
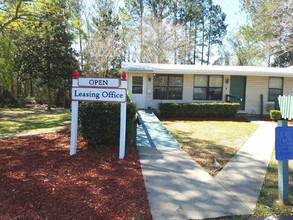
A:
(122, 120)
(98, 90)
(74, 117)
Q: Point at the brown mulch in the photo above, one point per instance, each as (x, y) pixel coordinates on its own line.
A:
(39, 180)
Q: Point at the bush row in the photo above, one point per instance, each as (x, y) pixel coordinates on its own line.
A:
(214, 109)
(100, 123)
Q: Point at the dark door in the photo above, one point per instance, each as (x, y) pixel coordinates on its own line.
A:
(238, 89)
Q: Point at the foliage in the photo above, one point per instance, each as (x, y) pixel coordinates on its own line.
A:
(37, 36)
(275, 115)
(245, 50)
(213, 109)
(105, 48)
(194, 24)
(99, 123)
(270, 27)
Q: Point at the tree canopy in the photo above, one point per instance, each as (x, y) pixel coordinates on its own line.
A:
(37, 38)
(269, 31)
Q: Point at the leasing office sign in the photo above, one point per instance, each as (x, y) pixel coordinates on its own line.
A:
(98, 94)
(98, 90)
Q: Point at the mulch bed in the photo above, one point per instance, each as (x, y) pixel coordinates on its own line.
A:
(39, 180)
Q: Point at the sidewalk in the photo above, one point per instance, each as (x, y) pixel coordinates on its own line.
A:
(178, 188)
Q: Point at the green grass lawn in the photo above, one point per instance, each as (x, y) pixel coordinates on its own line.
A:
(211, 142)
(16, 120)
(268, 202)
(220, 140)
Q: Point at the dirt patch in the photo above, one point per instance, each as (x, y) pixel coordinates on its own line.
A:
(39, 180)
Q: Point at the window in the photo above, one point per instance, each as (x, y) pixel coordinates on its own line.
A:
(137, 84)
(275, 88)
(168, 86)
(208, 87)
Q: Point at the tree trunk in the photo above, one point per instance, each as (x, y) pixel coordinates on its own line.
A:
(291, 57)
(49, 108)
(81, 50)
(194, 48)
(141, 33)
(209, 48)
(31, 88)
(202, 46)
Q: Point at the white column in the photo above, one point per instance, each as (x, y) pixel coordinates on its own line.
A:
(74, 117)
(122, 119)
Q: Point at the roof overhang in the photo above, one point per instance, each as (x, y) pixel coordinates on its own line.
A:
(209, 70)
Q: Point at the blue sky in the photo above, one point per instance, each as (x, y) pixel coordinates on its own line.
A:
(233, 11)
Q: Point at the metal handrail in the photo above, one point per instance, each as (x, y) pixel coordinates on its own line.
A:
(231, 98)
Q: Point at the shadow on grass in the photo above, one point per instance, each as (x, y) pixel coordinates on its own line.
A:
(208, 154)
(240, 119)
(33, 121)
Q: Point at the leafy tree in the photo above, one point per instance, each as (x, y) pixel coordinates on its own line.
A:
(161, 40)
(135, 10)
(188, 14)
(6, 70)
(104, 52)
(159, 8)
(196, 16)
(42, 53)
(270, 25)
(217, 28)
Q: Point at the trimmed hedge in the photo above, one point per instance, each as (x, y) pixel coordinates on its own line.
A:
(210, 109)
(100, 123)
(275, 115)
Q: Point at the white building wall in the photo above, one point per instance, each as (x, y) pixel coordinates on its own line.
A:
(288, 86)
(255, 87)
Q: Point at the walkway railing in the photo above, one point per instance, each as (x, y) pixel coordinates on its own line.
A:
(231, 98)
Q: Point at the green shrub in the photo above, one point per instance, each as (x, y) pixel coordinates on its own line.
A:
(213, 109)
(275, 115)
(100, 123)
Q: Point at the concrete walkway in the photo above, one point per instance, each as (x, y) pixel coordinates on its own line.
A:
(179, 188)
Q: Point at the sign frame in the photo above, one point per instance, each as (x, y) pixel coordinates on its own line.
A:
(74, 111)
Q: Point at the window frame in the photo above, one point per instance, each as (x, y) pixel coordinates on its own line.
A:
(167, 89)
(208, 88)
(136, 85)
(272, 88)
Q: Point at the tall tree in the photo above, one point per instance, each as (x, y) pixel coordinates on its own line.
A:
(42, 53)
(189, 18)
(271, 25)
(105, 50)
(216, 29)
(135, 9)
(159, 8)
(160, 41)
